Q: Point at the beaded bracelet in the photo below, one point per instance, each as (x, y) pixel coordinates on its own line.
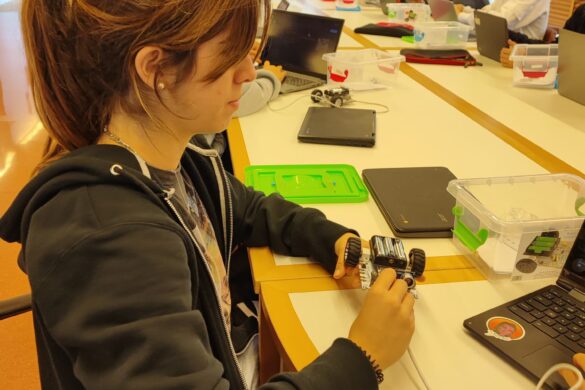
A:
(375, 366)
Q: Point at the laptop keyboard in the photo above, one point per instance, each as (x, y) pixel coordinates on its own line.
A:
(556, 314)
(297, 81)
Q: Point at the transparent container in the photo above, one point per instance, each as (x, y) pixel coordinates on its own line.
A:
(535, 65)
(407, 13)
(362, 69)
(441, 35)
(347, 5)
(519, 227)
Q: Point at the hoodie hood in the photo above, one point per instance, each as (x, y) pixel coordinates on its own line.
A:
(96, 164)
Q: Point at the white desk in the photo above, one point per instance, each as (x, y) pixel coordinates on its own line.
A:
(554, 122)
(420, 130)
(448, 357)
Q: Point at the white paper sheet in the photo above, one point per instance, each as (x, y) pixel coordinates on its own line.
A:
(448, 356)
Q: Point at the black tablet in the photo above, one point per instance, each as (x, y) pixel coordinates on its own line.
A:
(339, 126)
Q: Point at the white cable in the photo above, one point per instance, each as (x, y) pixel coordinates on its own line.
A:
(420, 373)
(323, 99)
(557, 367)
(286, 106)
(386, 108)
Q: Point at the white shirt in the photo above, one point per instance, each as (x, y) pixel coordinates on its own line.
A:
(529, 17)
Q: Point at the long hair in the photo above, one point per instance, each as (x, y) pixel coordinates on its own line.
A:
(81, 56)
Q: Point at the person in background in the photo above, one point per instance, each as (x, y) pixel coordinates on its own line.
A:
(527, 19)
(575, 23)
(127, 229)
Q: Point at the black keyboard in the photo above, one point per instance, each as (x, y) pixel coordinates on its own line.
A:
(556, 314)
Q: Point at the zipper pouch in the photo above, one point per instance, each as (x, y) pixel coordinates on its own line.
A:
(441, 57)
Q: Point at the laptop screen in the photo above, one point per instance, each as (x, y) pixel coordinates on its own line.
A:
(573, 272)
(298, 41)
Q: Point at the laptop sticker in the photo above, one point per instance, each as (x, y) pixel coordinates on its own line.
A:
(505, 329)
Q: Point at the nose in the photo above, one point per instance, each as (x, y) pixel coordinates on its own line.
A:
(245, 71)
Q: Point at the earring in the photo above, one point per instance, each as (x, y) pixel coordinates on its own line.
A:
(161, 85)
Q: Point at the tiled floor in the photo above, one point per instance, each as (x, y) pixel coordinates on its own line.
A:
(21, 143)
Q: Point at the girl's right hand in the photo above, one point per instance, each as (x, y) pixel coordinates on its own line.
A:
(385, 324)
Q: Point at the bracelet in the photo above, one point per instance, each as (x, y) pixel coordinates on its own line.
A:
(375, 366)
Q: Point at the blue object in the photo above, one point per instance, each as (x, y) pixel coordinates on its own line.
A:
(354, 9)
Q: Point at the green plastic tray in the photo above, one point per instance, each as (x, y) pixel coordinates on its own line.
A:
(323, 183)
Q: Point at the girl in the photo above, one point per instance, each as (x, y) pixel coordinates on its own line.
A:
(127, 229)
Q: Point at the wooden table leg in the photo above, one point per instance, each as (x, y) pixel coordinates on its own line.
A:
(267, 350)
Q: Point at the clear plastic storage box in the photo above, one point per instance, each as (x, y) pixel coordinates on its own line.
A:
(520, 227)
(441, 35)
(362, 69)
(407, 13)
(535, 65)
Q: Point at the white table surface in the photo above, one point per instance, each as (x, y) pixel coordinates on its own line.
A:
(448, 357)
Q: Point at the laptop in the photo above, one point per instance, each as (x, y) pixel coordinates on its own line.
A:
(443, 10)
(297, 42)
(339, 126)
(414, 201)
(543, 328)
(571, 65)
(491, 33)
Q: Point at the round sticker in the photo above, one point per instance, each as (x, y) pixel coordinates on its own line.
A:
(526, 266)
(505, 329)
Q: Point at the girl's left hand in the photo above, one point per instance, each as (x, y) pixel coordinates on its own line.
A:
(341, 269)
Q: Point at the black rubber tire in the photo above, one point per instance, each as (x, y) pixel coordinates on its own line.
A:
(353, 252)
(316, 95)
(419, 259)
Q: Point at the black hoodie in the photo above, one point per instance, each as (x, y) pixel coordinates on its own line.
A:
(122, 298)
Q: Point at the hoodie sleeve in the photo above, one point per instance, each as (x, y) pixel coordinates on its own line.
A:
(119, 303)
(285, 227)
(256, 94)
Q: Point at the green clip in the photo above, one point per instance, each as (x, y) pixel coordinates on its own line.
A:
(470, 239)
(578, 203)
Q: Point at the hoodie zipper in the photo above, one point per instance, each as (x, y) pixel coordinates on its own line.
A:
(232, 349)
(222, 178)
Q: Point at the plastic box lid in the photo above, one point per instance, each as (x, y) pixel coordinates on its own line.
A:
(317, 183)
(363, 57)
(535, 52)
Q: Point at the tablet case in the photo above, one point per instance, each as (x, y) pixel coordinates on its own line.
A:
(387, 29)
(441, 57)
(339, 126)
(414, 201)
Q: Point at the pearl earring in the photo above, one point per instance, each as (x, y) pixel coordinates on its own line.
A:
(161, 85)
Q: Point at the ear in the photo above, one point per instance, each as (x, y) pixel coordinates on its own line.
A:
(147, 62)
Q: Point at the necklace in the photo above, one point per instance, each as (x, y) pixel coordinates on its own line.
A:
(118, 140)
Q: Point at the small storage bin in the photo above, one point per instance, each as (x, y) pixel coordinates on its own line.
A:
(535, 65)
(347, 5)
(407, 13)
(520, 227)
(362, 69)
(441, 35)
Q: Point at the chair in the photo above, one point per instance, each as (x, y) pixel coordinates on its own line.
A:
(14, 306)
(560, 11)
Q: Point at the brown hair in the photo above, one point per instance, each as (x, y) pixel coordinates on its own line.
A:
(81, 55)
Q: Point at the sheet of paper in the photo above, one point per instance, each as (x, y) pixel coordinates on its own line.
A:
(448, 357)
